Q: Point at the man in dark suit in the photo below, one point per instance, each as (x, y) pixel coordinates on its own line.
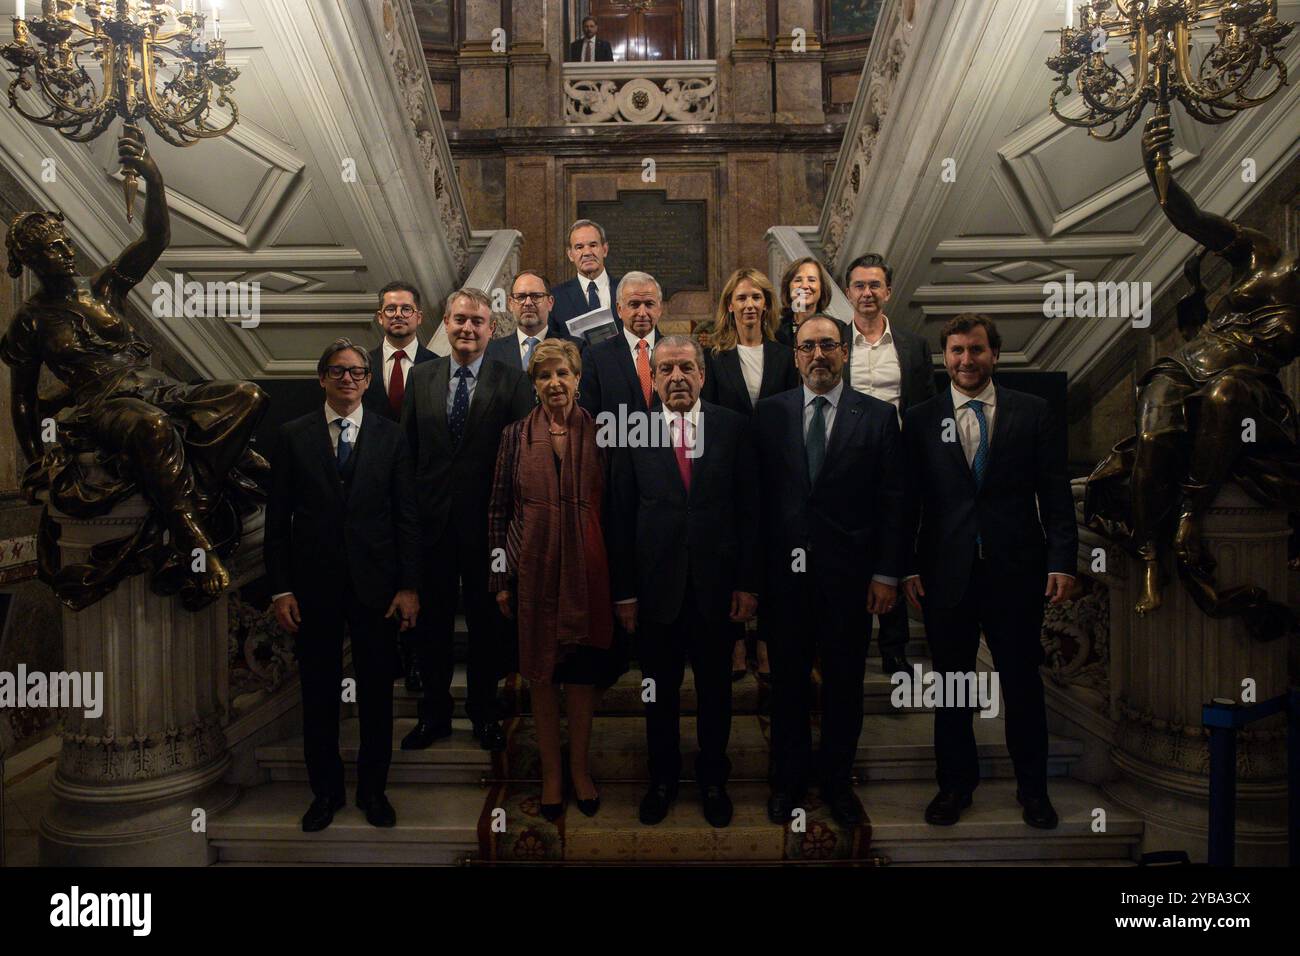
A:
(456, 407)
(616, 372)
(831, 476)
(592, 288)
(893, 365)
(343, 547)
(589, 48)
(399, 317)
(684, 561)
(530, 303)
(987, 488)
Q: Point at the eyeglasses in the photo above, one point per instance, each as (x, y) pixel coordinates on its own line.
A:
(336, 372)
(406, 310)
(529, 296)
(826, 345)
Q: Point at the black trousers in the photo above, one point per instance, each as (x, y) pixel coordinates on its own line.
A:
(1012, 621)
(891, 629)
(447, 567)
(663, 650)
(319, 648)
(808, 623)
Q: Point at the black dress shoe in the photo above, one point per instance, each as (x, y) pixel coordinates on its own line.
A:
(490, 736)
(655, 803)
(425, 733)
(889, 664)
(844, 805)
(321, 813)
(553, 811)
(717, 805)
(379, 812)
(1039, 812)
(781, 806)
(945, 809)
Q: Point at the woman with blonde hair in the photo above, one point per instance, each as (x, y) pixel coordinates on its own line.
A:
(745, 364)
(805, 291)
(545, 516)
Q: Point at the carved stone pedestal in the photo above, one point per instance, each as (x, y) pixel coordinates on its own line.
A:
(129, 781)
(1175, 661)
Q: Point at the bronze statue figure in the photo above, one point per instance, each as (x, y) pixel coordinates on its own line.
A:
(1211, 412)
(121, 427)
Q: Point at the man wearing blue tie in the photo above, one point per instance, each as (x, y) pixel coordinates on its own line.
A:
(989, 507)
(530, 303)
(592, 288)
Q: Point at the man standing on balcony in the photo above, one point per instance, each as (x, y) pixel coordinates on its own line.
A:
(592, 288)
(588, 48)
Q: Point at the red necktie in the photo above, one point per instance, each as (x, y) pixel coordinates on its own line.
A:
(679, 451)
(396, 384)
(643, 370)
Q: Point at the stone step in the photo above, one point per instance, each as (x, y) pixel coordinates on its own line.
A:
(438, 825)
(892, 747)
(625, 696)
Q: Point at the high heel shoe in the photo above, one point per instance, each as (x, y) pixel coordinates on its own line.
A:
(590, 807)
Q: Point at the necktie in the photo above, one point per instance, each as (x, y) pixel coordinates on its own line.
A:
(593, 297)
(815, 443)
(530, 343)
(344, 451)
(979, 464)
(460, 405)
(396, 384)
(589, 51)
(643, 369)
(679, 451)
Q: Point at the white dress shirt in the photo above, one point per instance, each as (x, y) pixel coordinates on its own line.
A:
(390, 350)
(968, 426)
(602, 290)
(589, 50)
(874, 368)
(521, 336)
(751, 367)
(331, 417)
(632, 341)
(672, 421)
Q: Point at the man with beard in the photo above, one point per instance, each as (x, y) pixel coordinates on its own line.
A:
(530, 303)
(399, 316)
(831, 474)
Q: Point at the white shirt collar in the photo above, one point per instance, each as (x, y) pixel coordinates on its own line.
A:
(833, 396)
(988, 395)
(692, 414)
(885, 336)
(602, 281)
(540, 336)
(332, 416)
(410, 349)
(632, 340)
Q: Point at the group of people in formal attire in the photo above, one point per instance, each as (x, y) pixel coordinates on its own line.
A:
(813, 477)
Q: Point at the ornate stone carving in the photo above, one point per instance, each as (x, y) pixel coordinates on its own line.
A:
(421, 109)
(646, 92)
(1076, 639)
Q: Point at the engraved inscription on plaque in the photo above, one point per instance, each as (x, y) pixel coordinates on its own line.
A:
(651, 233)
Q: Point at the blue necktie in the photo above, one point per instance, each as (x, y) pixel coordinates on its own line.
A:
(593, 297)
(345, 443)
(979, 464)
(530, 343)
(815, 443)
(460, 405)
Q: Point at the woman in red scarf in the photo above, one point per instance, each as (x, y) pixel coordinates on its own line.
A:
(546, 516)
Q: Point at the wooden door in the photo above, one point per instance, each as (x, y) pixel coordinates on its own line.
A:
(641, 29)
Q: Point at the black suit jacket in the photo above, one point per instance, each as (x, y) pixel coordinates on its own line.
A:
(319, 539)
(609, 378)
(571, 302)
(849, 524)
(455, 481)
(603, 50)
(916, 371)
(505, 349)
(376, 397)
(1023, 514)
(662, 538)
(724, 382)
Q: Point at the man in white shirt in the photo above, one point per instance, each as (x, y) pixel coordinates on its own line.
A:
(894, 366)
(399, 316)
(530, 303)
(592, 288)
(616, 372)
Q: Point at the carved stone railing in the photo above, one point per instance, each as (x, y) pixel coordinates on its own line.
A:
(496, 265)
(666, 91)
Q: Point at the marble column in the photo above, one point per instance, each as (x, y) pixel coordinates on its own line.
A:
(1176, 660)
(749, 78)
(798, 67)
(482, 69)
(129, 780)
(530, 83)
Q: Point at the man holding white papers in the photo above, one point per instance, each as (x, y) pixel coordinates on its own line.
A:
(592, 288)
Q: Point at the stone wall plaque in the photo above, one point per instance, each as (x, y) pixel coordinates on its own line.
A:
(648, 232)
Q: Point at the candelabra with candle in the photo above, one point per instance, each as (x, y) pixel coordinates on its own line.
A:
(1158, 36)
(138, 44)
